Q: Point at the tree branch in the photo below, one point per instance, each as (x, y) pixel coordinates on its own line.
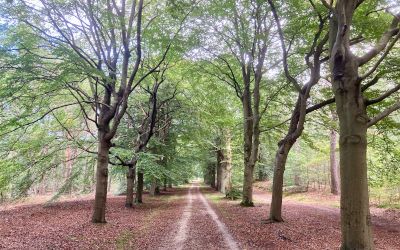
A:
(382, 43)
(384, 114)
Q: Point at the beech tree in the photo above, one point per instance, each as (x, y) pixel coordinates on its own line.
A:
(313, 61)
(163, 123)
(139, 123)
(352, 75)
(244, 41)
(224, 163)
(103, 41)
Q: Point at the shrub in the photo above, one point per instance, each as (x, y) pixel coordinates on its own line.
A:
(234, 193)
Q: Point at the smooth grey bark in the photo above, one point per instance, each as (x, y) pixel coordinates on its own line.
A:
(220, 168)
(224, 164)
(154, 188)
(130, 177)
(251, 56)
(70, 154)
(297, 121)
(99, 212)
(109, 183)
(224, 178)
(275, 214)
(247, 194)
(251, 134)
(333, 161)
(227, 180)
(353, 119)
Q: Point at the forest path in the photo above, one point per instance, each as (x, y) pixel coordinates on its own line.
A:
(189, 217)
(199, 226)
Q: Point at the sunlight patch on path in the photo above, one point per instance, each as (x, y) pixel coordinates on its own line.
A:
(230, 242)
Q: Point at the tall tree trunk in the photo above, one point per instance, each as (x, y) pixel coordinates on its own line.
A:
(209, 176)
(355, 216)
(100, 199)
(169, 183)
(225, 165)
(218, 177)
(165, 183)
(211, 169)
(109, 183)
(220, 158)
(297, 170)
(299, 113)
(224, 179)
(247, 196)
(68, 168)
(221, 177)
(353, 119)
(247, 199)
(275, 213)
(153, 187)
(42, 185)
(333, 162)
(130, 183)
(228, 163)
(139, 188)
(295, 130)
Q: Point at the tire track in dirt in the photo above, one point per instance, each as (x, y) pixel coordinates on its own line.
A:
(182, 226)
(199, 226)
(181, 236)
(229, 241)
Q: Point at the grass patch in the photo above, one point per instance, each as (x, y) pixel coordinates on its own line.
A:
(215, 197)
(172, 197)
(385, 197)
(389, 206)
(315, 199)
(122, 242)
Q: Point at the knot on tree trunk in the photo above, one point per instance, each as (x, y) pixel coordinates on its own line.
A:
(105, 172)
(352, 139)
(363, 118)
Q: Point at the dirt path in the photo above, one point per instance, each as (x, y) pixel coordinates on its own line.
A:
(184, 218)
(199, 226)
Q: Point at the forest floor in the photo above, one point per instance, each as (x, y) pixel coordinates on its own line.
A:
(191, 217)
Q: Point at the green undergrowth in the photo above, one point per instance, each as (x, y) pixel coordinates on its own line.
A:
(122, 242)
(385, 197)
(315, 200)
(214, 197)
(389, 206)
